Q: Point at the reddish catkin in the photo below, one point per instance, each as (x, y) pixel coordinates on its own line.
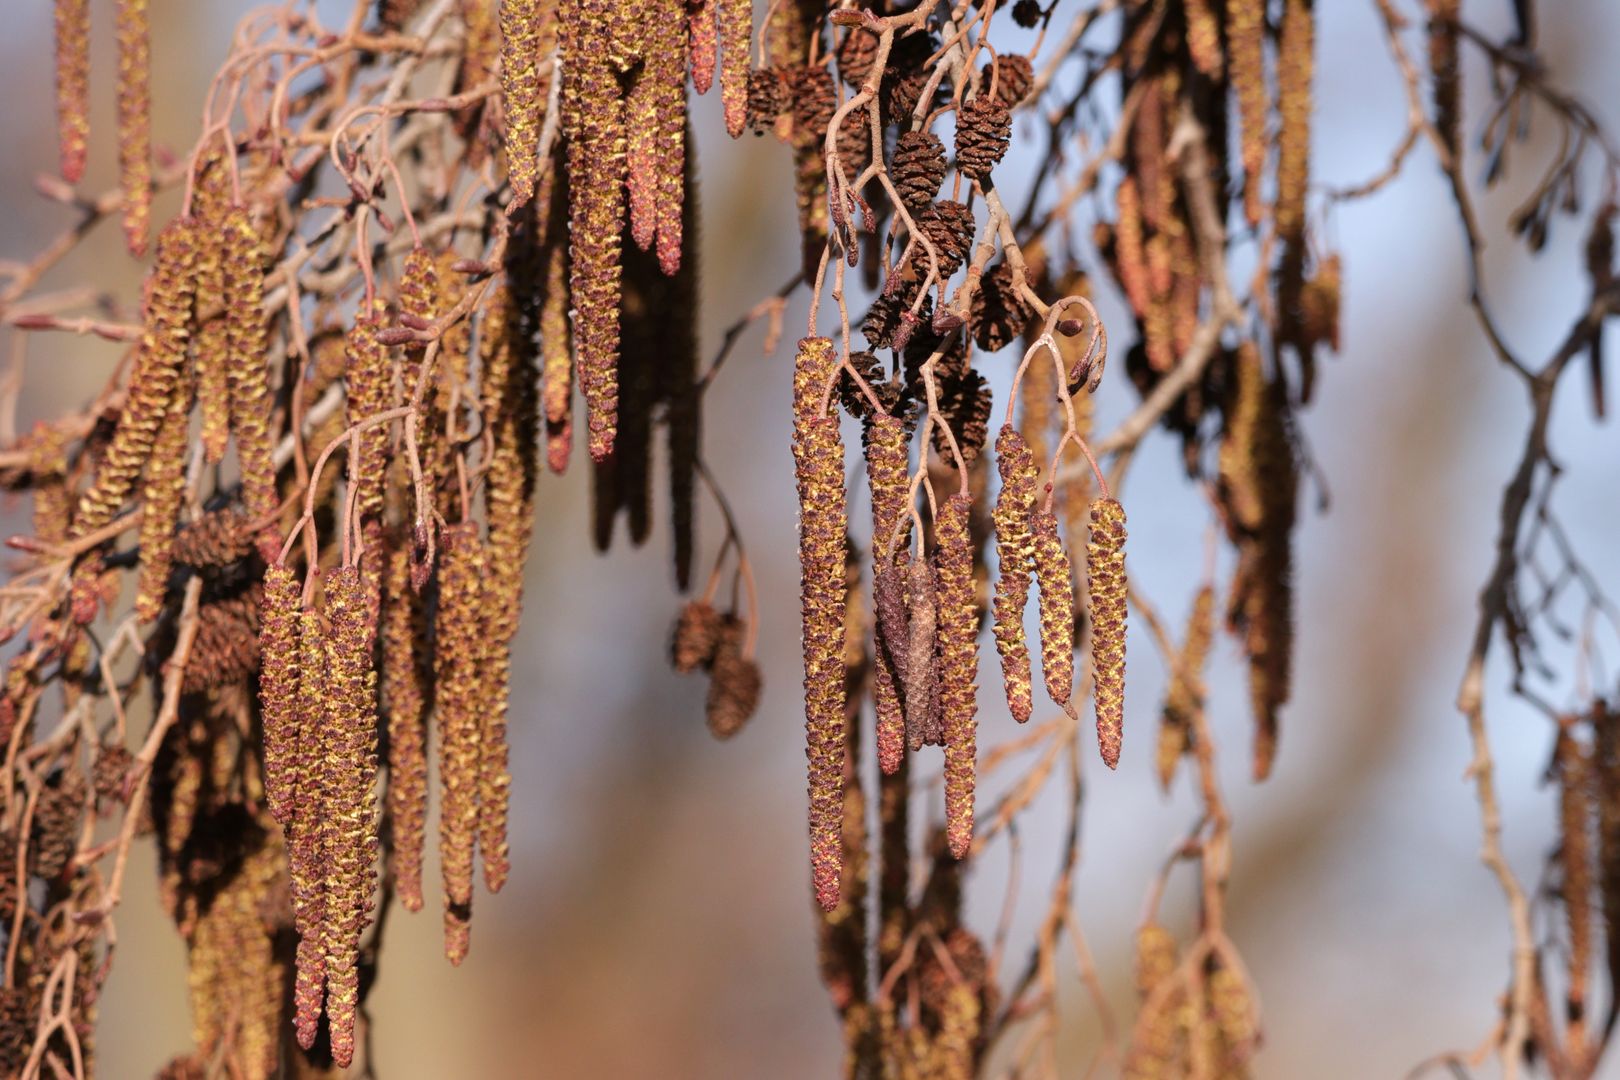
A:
(887, 476)
(958, 664)
(349, 745)
(1052, 574)
(73, 86)
(459, 634)
(278, 684)
(736, 31)
(520, 93)
(666, 67)
(405, 691)
(164, 493)
(818, 453)
(1245, 43)
(1015, 550)
(249, 374)
(135, 120)
(306, 840)
(593, 120)
(556, 343)
(923, 722)
(158, 369)
(1105, 569)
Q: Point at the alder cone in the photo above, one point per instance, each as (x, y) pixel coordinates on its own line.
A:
(949, 227)
(734, 683)
(917, 168)
(815, 99)
(696, 637)
(767, 99)
(1013, 77)
(999, 312)
(983, 128)
(855, 55)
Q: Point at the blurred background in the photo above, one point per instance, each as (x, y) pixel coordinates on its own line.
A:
(658, 920)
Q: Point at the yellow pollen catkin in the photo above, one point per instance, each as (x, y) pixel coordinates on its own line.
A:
(1105, 568)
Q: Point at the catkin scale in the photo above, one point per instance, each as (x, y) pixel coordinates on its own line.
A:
(958, 623)
(1105, 570)
(1015, 550)
(818, 453)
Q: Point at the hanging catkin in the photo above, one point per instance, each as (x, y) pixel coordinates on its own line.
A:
(1185, 695)
(459, 636)
(278, 685)
(369, 386)
(958, 664)
(248, 374)
(556, 344)
(1105, 567)
(1246, 43)
(887, 476)
(1052, 574)
(164, 490)
(135, 120)
(1015, 550)
(348, 812)
(211, 348)
(520, 93)
(1573, 766)
(306, 839)
(158, 369)
(406, 689)
(72, 86)
(818, 453)
(736, 30)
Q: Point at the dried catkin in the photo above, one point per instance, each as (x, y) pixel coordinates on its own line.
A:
(1105, 570)
(135, 120)
(459, 634)
(1053, 575)
(164, 491)
(594, 124)
(958, 664)
(1185, 695)
(734, 683)
(248, 374)
(348, 813)
(406, 687)
(278, 684)
(887, 473)
(73, 86)
(818, 452)
(1245, 43)
(1015, 550)
(520, 93)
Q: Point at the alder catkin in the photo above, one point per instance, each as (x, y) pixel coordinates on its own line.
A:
(459, 635)
(248, 375)
(1185, 695)
(1053, 573)
(924, 726)
(958, 622)
(135, 120)
(1573, 767)
(278, 685)
(1015, 550)
(1245, 44)
(406, 688)
(163, 489)
(369, 390)
(818, 453)
(1105, 569)
(887, 475)
(73, 86)
(736, 31)
(520, 93)
(306, 839)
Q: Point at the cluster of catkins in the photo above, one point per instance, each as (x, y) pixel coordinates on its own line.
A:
(927, 612)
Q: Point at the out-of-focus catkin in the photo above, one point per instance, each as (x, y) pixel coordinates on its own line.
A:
(1185, 695)
(73, 86)
(958, 664)
(818, 452)
(1246, 42)
(135, 120)
(1105, 569)
(1015, 550)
